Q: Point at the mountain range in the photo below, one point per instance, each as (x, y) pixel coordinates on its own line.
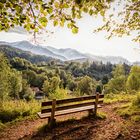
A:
(67, 54)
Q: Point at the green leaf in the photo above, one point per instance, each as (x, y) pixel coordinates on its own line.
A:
(62, 24)
(43, 19)
(49, 10)
(102, 13)
(36, 30)
(18, 9)
(91, 12)
(55, 22)
(69, 25)
(65, 5)
(85, 9)
(74, 30)
(56, 4)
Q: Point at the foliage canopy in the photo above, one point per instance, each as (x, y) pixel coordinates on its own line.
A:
(34, 15)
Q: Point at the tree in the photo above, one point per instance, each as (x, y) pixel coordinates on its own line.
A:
(27, 92)
(116, 85)
(118, 82)
(10, 80)
(46, 87)
(105, 80)
(64, 78)
(4, 77)
(50, 86)
(124, 21)
(72, 85)
(54, 83)
(86, 85)
(35, 14)
(118, 71)
(133, 81)
(15, 84)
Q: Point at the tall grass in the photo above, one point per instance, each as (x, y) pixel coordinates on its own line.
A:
(12, 110)
(132, 109)
(122, 97)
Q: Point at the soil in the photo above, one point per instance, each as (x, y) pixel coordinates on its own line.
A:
(75, 127)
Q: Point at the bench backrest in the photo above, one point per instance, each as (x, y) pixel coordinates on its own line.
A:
(71, 103)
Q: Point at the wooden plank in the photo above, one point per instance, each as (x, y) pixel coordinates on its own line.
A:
(46, 103)
(78, 99)
(71, 106)
(64, 101)
(46, 110)
(101, 96)
(68, 111)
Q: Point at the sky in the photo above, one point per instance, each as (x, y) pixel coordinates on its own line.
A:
(85, 41)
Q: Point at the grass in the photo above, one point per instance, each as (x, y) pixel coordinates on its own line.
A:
(2, 126)
(16, 110)
(101, 115)
(122, 97)
(131, 110)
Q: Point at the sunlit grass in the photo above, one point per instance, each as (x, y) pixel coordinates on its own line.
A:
(12, 110)
(122, 97)
(131, 110)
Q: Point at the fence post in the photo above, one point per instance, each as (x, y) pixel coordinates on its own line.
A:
(96, 104)
(52, 120)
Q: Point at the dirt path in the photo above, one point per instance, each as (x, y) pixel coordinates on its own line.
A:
(83, 129)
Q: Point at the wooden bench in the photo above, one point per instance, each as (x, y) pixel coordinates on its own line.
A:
(51, 109)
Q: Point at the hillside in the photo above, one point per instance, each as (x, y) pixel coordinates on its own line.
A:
(11, 52)
(36, 49)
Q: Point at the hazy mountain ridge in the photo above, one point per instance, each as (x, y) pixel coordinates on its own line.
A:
(11, 52)
(105, 59)
(67, 54)
(36, 49)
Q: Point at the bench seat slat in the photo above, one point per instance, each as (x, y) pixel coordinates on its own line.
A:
(67, 111)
